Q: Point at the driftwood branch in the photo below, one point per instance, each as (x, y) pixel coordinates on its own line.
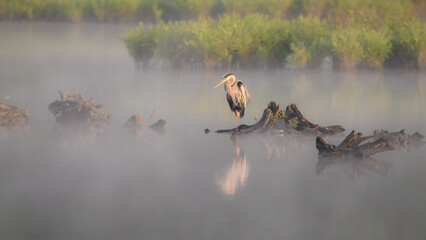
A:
(261, 126)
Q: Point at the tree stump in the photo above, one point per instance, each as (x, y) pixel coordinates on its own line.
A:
(351, 147)
(12, 119)
(158, 126)
(74, 109)
(400, 139)
(290, 121)
(136, 124)
(353, 156)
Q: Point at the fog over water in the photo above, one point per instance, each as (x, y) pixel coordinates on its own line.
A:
(186, 184)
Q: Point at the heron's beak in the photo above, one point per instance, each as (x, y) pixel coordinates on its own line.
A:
(224, 80)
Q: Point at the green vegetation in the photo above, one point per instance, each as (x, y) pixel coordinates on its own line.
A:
(259, 40)
(353, 45)
(310, 41)
(409, 43)
(142, 44)
(247, 33)
(153, 11)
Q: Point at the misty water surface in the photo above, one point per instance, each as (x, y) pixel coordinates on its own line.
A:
(186, 184)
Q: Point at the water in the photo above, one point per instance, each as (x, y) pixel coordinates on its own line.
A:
(186, 184)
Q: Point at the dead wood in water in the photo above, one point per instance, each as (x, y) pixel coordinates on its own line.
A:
(136, 125)
(298, 122)
(351, 147)
(400, 139)
(290, 121)
(73, 109)
(12, 119)
(158, 126)
(353, 155)
(261, 126)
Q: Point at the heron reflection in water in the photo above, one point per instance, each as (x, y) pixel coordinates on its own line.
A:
(236, 95)
(236, 174)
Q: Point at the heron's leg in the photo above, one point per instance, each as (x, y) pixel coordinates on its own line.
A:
(236, 124)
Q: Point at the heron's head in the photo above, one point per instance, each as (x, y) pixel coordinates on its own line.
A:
(227, 77)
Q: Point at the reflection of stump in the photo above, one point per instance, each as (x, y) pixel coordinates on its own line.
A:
(290, 121)
(354, 167)
(12, 119)
(74, 109)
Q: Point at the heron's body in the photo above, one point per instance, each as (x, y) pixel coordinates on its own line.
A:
(236, 94)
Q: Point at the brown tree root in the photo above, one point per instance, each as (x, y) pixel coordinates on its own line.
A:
(290, 121)
(400, 139)
(74, 109)
(351, 147)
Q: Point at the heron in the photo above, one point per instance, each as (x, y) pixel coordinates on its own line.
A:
(236, 94)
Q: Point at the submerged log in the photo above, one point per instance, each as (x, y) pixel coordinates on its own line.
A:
(73, 109)
(12, 119)
(351, 147)
(290, 121)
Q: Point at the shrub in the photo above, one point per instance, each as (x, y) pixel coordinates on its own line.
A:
(210, 41)
(409, 43)
(112, 9)
(272, 39)
(171, 45)
(141, 43)
(376, 46)
(347, 47)
(310, 40)
(259, 40)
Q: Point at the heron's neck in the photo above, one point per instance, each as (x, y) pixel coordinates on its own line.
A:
(228, 85)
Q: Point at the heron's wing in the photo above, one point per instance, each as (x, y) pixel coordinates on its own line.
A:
(230, 100)
(244, 95)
